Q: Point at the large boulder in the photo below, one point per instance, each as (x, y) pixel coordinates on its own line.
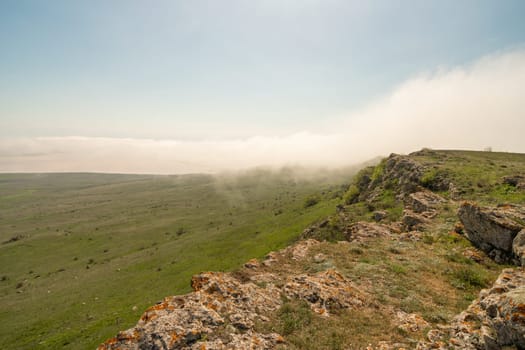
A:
(495, 320)
(518, 247)
(493, 229)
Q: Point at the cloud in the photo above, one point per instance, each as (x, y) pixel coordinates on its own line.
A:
(470, 107)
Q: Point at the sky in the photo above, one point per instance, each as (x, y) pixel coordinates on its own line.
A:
(205, 86)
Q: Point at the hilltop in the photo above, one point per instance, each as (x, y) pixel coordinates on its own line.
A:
(422, 251)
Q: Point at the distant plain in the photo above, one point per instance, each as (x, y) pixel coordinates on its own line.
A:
(83, 255)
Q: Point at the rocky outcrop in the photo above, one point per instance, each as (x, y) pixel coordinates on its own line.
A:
(404, 171)
(410, 322)
(326, 291)
(494, 230)
(298, 251)
(413, 221)
(420, 208)
(493, 321)
(424, 202)
(363, 230)
(222, 310)
(181, 321)
(396, 171)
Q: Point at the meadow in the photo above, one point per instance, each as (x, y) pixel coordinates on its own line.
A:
(83, 255)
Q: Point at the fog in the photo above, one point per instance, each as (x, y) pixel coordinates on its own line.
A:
(470, 107)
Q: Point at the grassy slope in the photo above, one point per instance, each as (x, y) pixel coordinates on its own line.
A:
(96, 250)
(431, 277)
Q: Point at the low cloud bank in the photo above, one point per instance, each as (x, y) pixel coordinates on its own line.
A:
(473, 107)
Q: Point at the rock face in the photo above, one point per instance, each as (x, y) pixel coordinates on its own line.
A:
(494, 230)
(493, 321)
(222, 310)
(399, 171)
(518, 247)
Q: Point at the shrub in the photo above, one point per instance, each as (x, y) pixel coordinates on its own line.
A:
(351, 194)
(311, 201)
(377, 173)
(465, 278)
(428, 178)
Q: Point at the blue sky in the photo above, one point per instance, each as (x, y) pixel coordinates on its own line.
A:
(179, 69)
(227, 70)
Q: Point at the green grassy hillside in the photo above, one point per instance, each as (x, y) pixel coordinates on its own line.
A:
(82, 255)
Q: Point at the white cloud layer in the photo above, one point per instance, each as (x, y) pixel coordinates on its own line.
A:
(470, 107)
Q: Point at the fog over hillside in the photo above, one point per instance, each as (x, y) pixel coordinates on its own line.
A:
(469, 107)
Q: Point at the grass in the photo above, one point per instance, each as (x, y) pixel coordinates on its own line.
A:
(477, 175)
(293, 316)
(96, 250)
(85, 254)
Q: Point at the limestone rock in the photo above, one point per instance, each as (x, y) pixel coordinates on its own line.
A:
(399, 171)
(410, 322)
(362, 230)
(379, 215)
(299, 250)
(252, 264)
(473, 255)
(424, 201)
(518, 247)
(223, 308)
(270, 259)
(325, 291)
(493, 230)
(414, 221)
(494, 320)
(413, 236)
(180, 322)
(406, 171)
(319, 258)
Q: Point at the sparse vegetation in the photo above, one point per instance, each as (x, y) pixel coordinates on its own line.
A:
(294, 315)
